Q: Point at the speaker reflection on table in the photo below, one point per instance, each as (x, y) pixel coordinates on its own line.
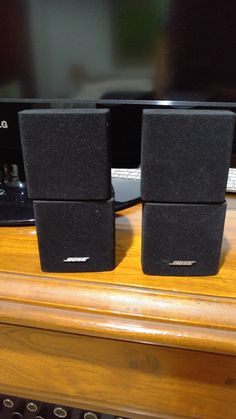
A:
(185, 162)
(68, 173)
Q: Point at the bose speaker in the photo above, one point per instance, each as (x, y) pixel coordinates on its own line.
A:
(186, 155)
(184, 170)
(182, 239)
(75, 236)
(66, 153)
(68, 174)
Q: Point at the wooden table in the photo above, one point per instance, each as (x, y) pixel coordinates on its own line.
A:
(119, 342)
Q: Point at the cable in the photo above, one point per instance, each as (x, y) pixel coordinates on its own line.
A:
(119, 206)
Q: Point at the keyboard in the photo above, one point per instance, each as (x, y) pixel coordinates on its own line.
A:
(135, 174)
(231, 184)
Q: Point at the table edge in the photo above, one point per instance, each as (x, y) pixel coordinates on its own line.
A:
(135, 314)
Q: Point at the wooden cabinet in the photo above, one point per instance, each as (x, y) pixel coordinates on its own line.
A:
(119, 342)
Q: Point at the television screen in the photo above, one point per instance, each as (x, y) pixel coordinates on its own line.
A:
(118, 49)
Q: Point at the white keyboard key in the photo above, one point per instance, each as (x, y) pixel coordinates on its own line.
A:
(133, 174)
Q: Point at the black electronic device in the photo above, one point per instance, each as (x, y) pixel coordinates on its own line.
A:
(76, 236)
(184, 165)
(114, 54)
(67, 161)
(182, 239)
(67, 153)
(186, 155)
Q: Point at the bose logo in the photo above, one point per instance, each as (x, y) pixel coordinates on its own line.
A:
(3, 124)
(182, 263)
(80, 259)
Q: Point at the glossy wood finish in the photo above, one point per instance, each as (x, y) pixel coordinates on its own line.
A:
(115, 376)
(130, 320)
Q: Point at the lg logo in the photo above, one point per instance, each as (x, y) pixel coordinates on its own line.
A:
(3, 124)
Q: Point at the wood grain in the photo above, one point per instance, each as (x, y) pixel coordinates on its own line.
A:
(119, 377)
(150, 317)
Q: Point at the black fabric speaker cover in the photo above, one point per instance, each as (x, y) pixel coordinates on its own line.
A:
(182, 239)
(186, 155)
(66, 153)
(76, 236)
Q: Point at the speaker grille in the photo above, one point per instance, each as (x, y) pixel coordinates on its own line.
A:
(186, 155)
(67, 153)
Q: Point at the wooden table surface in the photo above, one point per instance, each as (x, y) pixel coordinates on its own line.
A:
(171, 340)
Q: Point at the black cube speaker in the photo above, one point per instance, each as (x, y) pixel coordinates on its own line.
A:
(68, 173)
(75, 236)
(182, 239)
(185, 162)
(66, 153)
(186, 155)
